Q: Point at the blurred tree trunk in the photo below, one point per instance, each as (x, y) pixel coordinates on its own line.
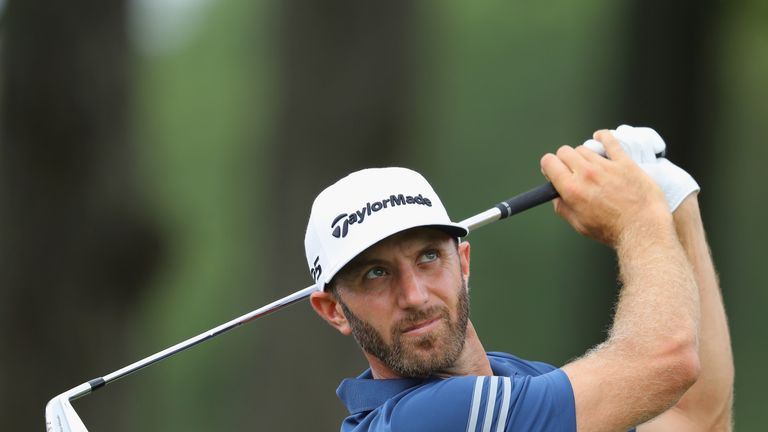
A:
(668, 85)
(75, 247)
(346, 72)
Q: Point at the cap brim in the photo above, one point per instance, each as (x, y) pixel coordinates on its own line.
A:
(455, 230)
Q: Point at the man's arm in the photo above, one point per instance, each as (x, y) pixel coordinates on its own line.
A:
(651, 356)
(707, 405)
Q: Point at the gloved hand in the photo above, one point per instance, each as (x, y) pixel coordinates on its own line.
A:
(642, 144)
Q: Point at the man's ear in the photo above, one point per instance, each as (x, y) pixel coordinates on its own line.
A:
(329, 309)
(464, 259)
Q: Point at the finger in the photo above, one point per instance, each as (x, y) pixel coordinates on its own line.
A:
(595, 146)
(633, 143)
(651, 143)
(572, 159)
(589, 154)
(657, 142)
(555, 170)
(557, 204)
(612, 147)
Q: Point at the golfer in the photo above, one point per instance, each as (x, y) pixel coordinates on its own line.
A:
(393, 272)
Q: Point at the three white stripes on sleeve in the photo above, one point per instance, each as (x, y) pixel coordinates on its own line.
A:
(490, 406)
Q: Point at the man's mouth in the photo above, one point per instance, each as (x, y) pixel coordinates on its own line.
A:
(422, 327)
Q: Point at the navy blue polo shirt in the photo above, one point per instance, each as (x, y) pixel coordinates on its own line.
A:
(521, 396)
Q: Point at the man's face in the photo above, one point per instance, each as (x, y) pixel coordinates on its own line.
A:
(406, 301)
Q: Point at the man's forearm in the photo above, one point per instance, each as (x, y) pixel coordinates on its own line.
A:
(708, 402)
(659, 300)
(650, 358)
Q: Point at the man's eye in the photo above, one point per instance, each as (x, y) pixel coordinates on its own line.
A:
(375, 272)
(428, 256)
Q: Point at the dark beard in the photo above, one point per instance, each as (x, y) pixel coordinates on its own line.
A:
(404, 360)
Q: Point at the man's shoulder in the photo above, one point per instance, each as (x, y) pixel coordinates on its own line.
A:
(365, 393)
(521, 395)
(426, 405)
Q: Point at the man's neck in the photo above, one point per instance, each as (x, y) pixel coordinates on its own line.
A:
(471, 361)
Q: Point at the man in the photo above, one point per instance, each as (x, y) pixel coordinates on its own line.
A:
(392, 273)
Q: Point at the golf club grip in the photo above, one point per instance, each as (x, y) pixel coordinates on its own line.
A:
(527, 200)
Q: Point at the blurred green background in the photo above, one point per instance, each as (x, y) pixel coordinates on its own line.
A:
(158, 159)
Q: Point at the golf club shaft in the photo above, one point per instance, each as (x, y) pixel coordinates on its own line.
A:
(181, 346)
(503, 210)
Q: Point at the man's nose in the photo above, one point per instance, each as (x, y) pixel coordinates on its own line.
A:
(413, 289)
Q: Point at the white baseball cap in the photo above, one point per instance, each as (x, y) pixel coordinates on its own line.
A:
(364, 208)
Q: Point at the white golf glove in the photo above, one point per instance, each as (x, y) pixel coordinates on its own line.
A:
(642, 144)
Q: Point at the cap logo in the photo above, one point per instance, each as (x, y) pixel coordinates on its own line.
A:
(342, 222)
(316, 271)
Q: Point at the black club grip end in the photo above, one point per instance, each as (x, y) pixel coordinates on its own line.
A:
(527, 200)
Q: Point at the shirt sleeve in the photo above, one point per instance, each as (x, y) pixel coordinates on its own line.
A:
(487, 404)
(543, 403)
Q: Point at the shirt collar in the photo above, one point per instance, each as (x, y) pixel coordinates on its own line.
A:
(365, 393)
